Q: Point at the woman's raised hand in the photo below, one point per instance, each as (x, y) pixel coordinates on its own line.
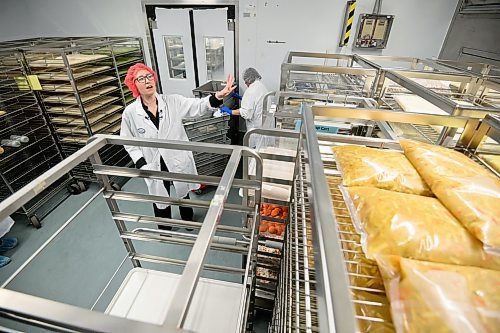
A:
(228, 89)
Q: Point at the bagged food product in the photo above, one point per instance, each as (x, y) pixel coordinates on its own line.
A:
(415, 227)
(363, 272)
(375, 310)
(441, 298)
(493, 161)
(388, 170)
(469, 191)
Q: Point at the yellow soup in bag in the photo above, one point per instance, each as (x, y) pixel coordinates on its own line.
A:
(468, 190)
(415, 227)
(388, 170)
(441, 298)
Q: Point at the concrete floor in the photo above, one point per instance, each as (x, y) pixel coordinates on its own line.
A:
(76, 266)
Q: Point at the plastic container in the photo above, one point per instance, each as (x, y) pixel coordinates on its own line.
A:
(10, 143)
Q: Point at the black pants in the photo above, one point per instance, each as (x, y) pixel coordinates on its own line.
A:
(186, 212)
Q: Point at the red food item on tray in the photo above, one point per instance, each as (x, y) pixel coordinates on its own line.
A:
(272, 210)
(274, 228)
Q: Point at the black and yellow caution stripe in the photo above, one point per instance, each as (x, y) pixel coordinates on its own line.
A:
(350, 18)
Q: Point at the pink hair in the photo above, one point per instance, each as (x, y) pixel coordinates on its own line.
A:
(130, 78)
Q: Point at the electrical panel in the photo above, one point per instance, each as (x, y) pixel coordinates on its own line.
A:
(373, 31)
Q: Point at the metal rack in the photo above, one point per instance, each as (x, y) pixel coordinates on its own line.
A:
(447, 90)
(281, 149)
(21, 115)
(210, 129)
(83, 90)
(485, 144)
(296, 299)
(185, 314)
(288, 115)
(343, 76)
(339, 272)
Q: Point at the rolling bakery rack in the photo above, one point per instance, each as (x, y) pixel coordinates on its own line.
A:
(36, 149)
(76, 89)
(278, 149)
(83, 89)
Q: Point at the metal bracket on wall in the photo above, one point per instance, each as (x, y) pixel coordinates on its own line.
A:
(152, 23)
(230, 24)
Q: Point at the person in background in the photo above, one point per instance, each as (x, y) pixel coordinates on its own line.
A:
(251, 102)
(6, 243)
(155, 116)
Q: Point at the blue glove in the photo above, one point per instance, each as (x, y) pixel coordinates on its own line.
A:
(225, 109)
(234, 94)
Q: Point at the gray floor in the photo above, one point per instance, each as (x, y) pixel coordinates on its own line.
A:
(76, 266)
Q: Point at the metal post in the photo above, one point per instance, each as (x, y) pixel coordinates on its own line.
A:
(113, 207)
(177, 313)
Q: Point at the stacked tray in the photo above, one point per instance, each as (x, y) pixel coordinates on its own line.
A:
(83, 91)
(211, 130)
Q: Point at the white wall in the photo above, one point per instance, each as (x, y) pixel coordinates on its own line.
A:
(419, 28)
(46, 18)
(14, 24)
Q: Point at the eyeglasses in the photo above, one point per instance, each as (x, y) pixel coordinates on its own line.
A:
(142, 79)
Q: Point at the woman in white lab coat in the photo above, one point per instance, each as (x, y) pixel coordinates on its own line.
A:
(252, 102)
(155, 116)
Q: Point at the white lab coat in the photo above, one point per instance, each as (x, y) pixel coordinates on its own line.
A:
(251, 107)
(171, 110)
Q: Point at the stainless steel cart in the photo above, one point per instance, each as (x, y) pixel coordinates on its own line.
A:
(323, 263)
(185, 302)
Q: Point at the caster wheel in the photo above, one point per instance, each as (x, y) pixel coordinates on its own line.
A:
(116, 187)
(35, 221)
(199, 192)
(82, 186)
(74, 188)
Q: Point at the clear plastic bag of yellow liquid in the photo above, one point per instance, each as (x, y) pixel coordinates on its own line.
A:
(492, 160)
(415, 227)
(441, 298)
(469, 191)
(374, 310)
(388, 170)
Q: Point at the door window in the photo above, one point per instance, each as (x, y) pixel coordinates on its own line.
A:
(175, 57)
(214, 51)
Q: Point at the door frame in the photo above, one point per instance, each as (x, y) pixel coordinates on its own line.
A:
(148, 9)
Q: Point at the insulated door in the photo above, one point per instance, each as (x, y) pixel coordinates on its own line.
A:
(214, 44)
(174, 52)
